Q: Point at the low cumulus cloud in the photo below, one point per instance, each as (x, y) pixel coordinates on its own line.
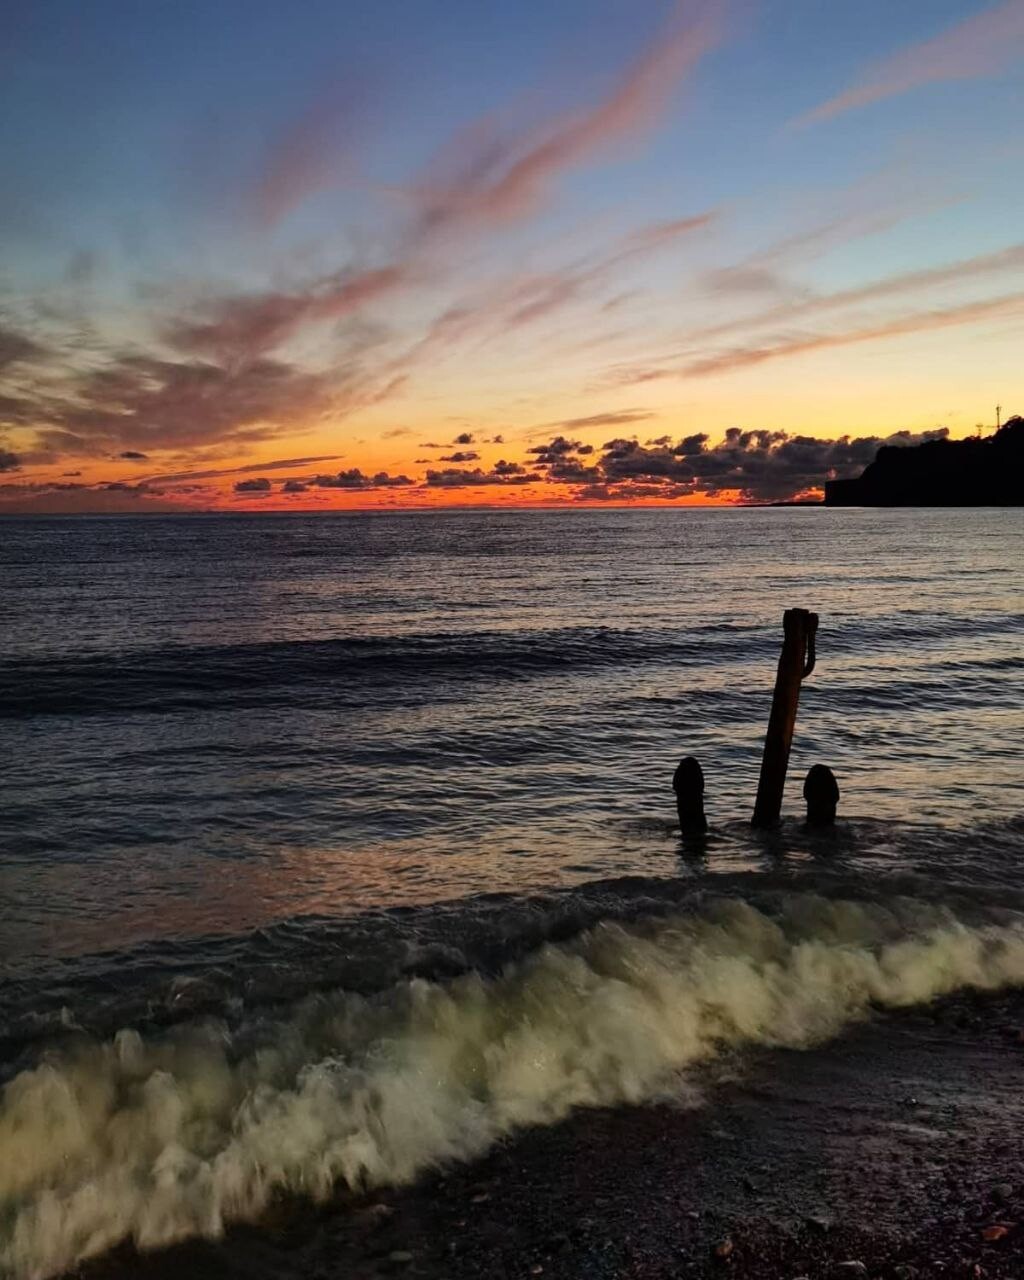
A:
(259, 485)
(355, 479)
(502, 473)
(558, 449)
(67, 497)
(755, 465)
(460, 455)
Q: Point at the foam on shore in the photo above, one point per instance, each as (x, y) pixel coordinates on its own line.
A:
(174, 1136)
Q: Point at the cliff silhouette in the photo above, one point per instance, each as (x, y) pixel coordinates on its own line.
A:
(985, 471)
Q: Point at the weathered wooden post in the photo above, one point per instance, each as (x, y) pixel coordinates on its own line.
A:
(821, 791)
(688, 784)
(795, 662)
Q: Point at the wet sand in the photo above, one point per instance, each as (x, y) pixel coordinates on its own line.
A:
(893, 1151)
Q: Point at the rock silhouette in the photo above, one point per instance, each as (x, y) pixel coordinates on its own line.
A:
(985, 471)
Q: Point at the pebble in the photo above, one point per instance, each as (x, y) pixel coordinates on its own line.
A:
(1002, 1192)
(724, 1248)
(852, 1267)
(400, 1255)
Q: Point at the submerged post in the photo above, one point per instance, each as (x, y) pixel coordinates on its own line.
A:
(821, 791)
(688, 784)
(795, 662)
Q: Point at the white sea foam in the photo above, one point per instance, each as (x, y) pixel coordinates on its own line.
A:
(180, 1135)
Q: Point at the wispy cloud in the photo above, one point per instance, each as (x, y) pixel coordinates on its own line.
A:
(17, 348)
(246, 326)
(310, 154)
(487, 178)
(215, 375)
(1001, 261)
(279, 464)
(984, 44)
(918, 322)
(609, 418)
(131, 401)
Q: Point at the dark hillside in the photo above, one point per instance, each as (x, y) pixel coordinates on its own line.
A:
(979, 472)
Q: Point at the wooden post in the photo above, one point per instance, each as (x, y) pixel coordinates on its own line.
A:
(688, 784)
(795, 662)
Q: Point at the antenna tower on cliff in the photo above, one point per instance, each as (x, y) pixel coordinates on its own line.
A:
(999, 410)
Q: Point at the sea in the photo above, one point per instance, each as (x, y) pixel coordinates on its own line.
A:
(334, 848)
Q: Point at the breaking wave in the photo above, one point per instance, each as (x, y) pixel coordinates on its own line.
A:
(181, 1133)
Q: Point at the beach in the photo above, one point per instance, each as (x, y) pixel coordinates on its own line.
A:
(894, 1147)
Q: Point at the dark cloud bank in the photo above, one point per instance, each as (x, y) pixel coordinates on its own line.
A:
(758, 466)
(761, 466)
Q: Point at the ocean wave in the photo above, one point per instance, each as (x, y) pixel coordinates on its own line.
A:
(184, 677)
(160, 1137)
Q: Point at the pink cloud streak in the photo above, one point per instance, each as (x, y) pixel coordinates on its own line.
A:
(503, 180)
(982, 45)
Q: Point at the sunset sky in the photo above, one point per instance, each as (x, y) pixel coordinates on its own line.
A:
(330, 254)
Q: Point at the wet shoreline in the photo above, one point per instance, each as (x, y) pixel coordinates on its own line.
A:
(895, 1146)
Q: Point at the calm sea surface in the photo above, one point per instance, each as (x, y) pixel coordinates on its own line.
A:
(251, 759)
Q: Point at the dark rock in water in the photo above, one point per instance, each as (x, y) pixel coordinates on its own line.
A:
(821, 791)
(688, 784)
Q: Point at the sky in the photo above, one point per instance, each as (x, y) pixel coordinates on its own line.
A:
(328, 254)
